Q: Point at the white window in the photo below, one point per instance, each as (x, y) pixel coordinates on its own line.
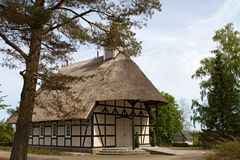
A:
(30, 131)
(68, 129)
(41, 130)
(54, 129)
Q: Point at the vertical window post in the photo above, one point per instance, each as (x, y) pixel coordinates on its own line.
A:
(41, 130)
(54, 129)
(68, 130)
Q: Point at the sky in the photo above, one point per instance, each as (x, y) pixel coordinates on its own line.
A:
(174, 42)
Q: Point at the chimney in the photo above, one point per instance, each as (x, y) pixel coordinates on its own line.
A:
(109, 53)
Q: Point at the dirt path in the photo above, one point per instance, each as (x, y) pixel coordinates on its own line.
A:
(186, 155)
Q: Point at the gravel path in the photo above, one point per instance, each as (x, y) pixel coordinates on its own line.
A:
(183, 155)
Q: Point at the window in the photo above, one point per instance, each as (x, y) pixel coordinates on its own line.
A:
(68, 129)
(30, 131)
(54, 129)
(41, 130)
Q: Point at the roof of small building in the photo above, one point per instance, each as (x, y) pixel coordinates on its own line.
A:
(115, 79)
(184, 133)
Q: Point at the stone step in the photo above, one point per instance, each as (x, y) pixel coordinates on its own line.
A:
(117, 151)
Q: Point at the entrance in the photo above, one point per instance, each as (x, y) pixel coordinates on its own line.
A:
(123, 132)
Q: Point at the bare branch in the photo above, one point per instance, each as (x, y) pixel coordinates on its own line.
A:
(14, 46)
(67, 9)
(71, 19)
(58, 5)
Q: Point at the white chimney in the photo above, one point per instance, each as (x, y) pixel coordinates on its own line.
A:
(109, 53)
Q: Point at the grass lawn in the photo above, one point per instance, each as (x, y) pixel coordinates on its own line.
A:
(38, 151)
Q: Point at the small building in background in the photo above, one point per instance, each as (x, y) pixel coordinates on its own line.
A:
(182, 138)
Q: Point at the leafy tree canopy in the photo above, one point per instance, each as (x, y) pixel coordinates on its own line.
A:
(220, 87)
(2, 106)
(170, 119)
(40, 35)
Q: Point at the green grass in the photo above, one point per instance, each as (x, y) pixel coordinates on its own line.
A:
(226, 151)
(37, 151)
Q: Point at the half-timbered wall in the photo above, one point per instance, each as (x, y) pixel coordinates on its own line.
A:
(81, 134)
(106, 114)
(101, 124)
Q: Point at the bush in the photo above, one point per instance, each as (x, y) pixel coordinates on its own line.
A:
(7, 134)
(180, 145)
(137, 143)
(153, 139)
(226, 151)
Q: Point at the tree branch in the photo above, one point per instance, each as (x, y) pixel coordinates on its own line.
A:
(58, 5)
(94, 24)
(14, 46)
(71, 19)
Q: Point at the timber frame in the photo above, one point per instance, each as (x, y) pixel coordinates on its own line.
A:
(99, 126)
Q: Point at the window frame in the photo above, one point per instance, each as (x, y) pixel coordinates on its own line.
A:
(52, 133)
(41, 130)
(31, 131)
(66, 129)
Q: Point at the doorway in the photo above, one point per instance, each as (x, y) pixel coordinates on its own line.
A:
(123, 132)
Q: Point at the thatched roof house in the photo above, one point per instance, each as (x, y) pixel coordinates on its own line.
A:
(116, 82)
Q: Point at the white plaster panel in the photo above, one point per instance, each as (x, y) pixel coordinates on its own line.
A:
(60, 141)
(36, 131)
(120, 103)
(146, 139)
(41, 141)
(100, 119)
(75, 130)
(48, 130)
(30, 141)
(87, 142)
(110, 102)
(84, 130)
(97, 142)
(110, 130)
(60, 130)
(76, 141)
(68, 142)
(35, 140)
(54, 142)
(47, 141)
(110, 141)
(110, 119)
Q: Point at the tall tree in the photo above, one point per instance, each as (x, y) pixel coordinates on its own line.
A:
(2, 106)
(170, 119)
(220, 87)
(42, 34)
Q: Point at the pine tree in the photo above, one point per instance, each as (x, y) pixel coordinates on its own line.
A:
(220, 86)
(40, 35)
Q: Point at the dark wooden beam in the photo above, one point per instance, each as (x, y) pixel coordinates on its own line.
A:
(157, 126)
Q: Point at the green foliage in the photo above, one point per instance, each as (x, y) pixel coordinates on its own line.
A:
(153, 139)
(7, 134)
(137, 143)
(66, 25)
(228, 150)
(170, 119)
(2, 106)
(197, 138)
(220, 87)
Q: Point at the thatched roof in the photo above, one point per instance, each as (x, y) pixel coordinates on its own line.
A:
(185, 134)
(115, 79)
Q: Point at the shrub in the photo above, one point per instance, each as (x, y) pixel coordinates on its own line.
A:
(226, 151)
(7, 134)
(153, 139)
(137, 143)
(180, 145)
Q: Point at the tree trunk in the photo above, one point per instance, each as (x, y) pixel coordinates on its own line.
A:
(20, 145)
